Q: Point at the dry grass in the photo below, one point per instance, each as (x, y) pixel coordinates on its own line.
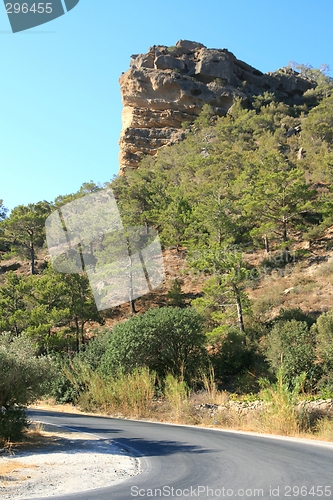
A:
(10, 470)
(324, 429)
(34, 438)
(280, 419)
(130, 395)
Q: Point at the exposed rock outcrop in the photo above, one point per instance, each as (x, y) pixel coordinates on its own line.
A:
(170, 85)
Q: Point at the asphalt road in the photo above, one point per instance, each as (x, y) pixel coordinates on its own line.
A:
(187, 462)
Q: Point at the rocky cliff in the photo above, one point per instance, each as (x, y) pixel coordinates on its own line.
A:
(169, 86)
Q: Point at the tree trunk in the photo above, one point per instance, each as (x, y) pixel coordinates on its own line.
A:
(132, 305)
(82, 334)
(131, 300)
(32, 259)
(77, 331)
(239, 310)
(285, 239)
(266, 243)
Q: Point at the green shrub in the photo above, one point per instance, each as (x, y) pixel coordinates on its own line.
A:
(297, 314)
(229, 355)
(23, 378)
(165, 340)
(176, 392)
(323, 330)
(131, 393)
(291, 345)
(62, 389)
(281, 415)
(23, 375)
(175, 295)
(12, 424)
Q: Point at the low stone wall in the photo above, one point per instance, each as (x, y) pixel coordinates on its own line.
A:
(320, 407)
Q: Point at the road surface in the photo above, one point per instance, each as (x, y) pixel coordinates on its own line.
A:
(191, 462)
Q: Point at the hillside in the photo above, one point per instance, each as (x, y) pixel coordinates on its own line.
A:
(243, 207)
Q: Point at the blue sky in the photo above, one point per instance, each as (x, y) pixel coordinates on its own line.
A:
(60, 115)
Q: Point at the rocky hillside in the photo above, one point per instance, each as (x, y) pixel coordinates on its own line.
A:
(169, 86)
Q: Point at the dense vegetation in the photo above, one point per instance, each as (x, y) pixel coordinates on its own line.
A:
(257, 180)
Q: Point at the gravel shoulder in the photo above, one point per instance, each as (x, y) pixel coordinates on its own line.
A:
(72, 462)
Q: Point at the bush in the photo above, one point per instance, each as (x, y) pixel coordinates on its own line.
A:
(23, 375)
(282, 415)
(323, 330)
(23, 378)
(291, 345)
(175, 296)
(297, 314)
(62, 389)
(12, 423)
(165, 340)
(229, 355)
(176, 392)
(131, 394)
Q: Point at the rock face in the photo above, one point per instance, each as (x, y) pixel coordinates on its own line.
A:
(170, 85)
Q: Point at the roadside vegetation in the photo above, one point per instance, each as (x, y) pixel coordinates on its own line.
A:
(244, 210)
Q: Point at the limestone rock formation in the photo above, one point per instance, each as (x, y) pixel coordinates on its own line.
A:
(170, 85)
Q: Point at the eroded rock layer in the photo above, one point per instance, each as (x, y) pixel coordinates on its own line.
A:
(169, 86)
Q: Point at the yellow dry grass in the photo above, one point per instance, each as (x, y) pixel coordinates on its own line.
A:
(11, 470)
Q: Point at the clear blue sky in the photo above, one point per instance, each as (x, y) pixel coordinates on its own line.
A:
(60, 114)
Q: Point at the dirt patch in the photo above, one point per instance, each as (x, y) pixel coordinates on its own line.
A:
(59, 462)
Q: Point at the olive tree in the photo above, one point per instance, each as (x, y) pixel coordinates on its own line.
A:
(23, 378)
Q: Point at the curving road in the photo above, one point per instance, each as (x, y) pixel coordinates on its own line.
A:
(188, 462)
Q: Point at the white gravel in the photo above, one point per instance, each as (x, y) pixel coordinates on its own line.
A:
(77, 462)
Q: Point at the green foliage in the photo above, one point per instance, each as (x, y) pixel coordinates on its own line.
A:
(292, 346)
(261, 100)
(297, 314)
(323, 330)
(23, 378)
(176, 393)
(229, 353)
(225, 291)
(318, 127)
(175, 296)
(93, 352)
(62, 390)
(130, 393)
(81, 304)
(205, 116)
(324, 83)
(281, 415)
(13, 422)
(237, 182)
(14, 316)
(166, 340)
(43, 306)
(236, 179)
(25, 229)
(23, 374)
(275, 196)
(3, 211)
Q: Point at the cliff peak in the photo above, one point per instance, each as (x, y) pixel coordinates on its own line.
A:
(170, 85)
